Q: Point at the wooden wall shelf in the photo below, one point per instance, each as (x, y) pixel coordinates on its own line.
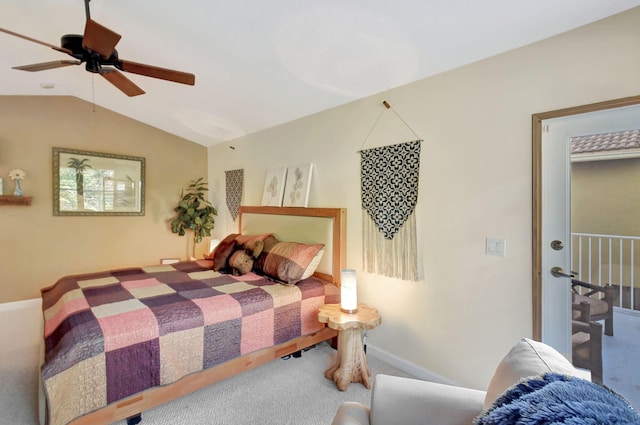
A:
(15, 200)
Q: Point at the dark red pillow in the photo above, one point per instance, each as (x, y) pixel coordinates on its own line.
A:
(221, 253)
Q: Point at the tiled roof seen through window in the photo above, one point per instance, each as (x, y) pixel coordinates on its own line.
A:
(620, 140)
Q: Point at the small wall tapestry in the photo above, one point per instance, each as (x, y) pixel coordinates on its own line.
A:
(389, 184)
(235, 186)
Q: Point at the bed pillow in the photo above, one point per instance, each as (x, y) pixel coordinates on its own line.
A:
(313, 265)
(288, 262)
(221, 253)
(526, 358)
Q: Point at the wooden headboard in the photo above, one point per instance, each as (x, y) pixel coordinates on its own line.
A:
(304, 225)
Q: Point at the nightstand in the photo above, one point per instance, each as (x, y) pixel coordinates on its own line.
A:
(351, 363)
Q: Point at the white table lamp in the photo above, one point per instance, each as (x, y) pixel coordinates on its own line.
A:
(348, 291)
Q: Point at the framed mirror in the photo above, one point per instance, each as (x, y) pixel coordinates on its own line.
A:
(95, 183)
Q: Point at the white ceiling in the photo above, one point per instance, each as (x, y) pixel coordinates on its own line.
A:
(261, 63)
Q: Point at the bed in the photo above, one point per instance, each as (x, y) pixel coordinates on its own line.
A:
(119, 342)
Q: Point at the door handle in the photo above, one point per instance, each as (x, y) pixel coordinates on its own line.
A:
(558, 272)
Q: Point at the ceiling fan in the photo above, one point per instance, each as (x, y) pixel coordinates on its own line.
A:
(96, 48)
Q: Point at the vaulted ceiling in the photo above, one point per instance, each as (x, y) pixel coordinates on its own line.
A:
(262, 63)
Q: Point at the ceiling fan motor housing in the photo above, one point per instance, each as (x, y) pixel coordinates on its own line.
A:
(74, 42)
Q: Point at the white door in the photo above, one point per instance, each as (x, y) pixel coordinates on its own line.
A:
(556, 212)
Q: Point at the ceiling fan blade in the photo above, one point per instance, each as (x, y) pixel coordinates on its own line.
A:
(99, 38)
(120, 81)
(157, 72)
(60, 49)
(46, 65)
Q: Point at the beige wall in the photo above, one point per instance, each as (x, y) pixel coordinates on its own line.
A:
(38, 248)
(475, 182)
(605, 197)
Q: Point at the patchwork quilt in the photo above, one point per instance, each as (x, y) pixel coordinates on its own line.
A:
(113, 334)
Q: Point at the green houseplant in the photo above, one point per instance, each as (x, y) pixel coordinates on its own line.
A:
(194, 213)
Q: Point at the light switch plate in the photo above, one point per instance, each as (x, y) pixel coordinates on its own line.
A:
(496, 247)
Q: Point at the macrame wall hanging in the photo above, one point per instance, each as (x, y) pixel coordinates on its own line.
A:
(389, 185)
(235, 186)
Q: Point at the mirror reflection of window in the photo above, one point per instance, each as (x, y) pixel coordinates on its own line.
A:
(98, 183)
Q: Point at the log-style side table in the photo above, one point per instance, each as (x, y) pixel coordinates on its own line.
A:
(351, 363)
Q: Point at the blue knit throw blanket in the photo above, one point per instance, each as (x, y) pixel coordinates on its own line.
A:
(559, 399)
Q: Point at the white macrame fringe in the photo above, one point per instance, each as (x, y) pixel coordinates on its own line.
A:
(398, 257)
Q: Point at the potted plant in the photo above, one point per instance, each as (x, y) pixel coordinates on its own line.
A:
(194, 213)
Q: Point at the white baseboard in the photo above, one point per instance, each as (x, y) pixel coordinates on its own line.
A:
(34, 303)
(406, 366)
(21, 322)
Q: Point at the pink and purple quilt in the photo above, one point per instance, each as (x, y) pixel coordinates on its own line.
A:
(113, 334)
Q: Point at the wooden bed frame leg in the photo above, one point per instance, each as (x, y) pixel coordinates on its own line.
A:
(135, 419)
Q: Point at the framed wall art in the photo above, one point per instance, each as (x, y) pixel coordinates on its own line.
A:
(95, 183)
(296, 190)
(274, 187)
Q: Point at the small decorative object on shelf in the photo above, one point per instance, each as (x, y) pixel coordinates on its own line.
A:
(17, 175)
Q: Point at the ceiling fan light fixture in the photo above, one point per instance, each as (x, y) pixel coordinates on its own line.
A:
(92, 65)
